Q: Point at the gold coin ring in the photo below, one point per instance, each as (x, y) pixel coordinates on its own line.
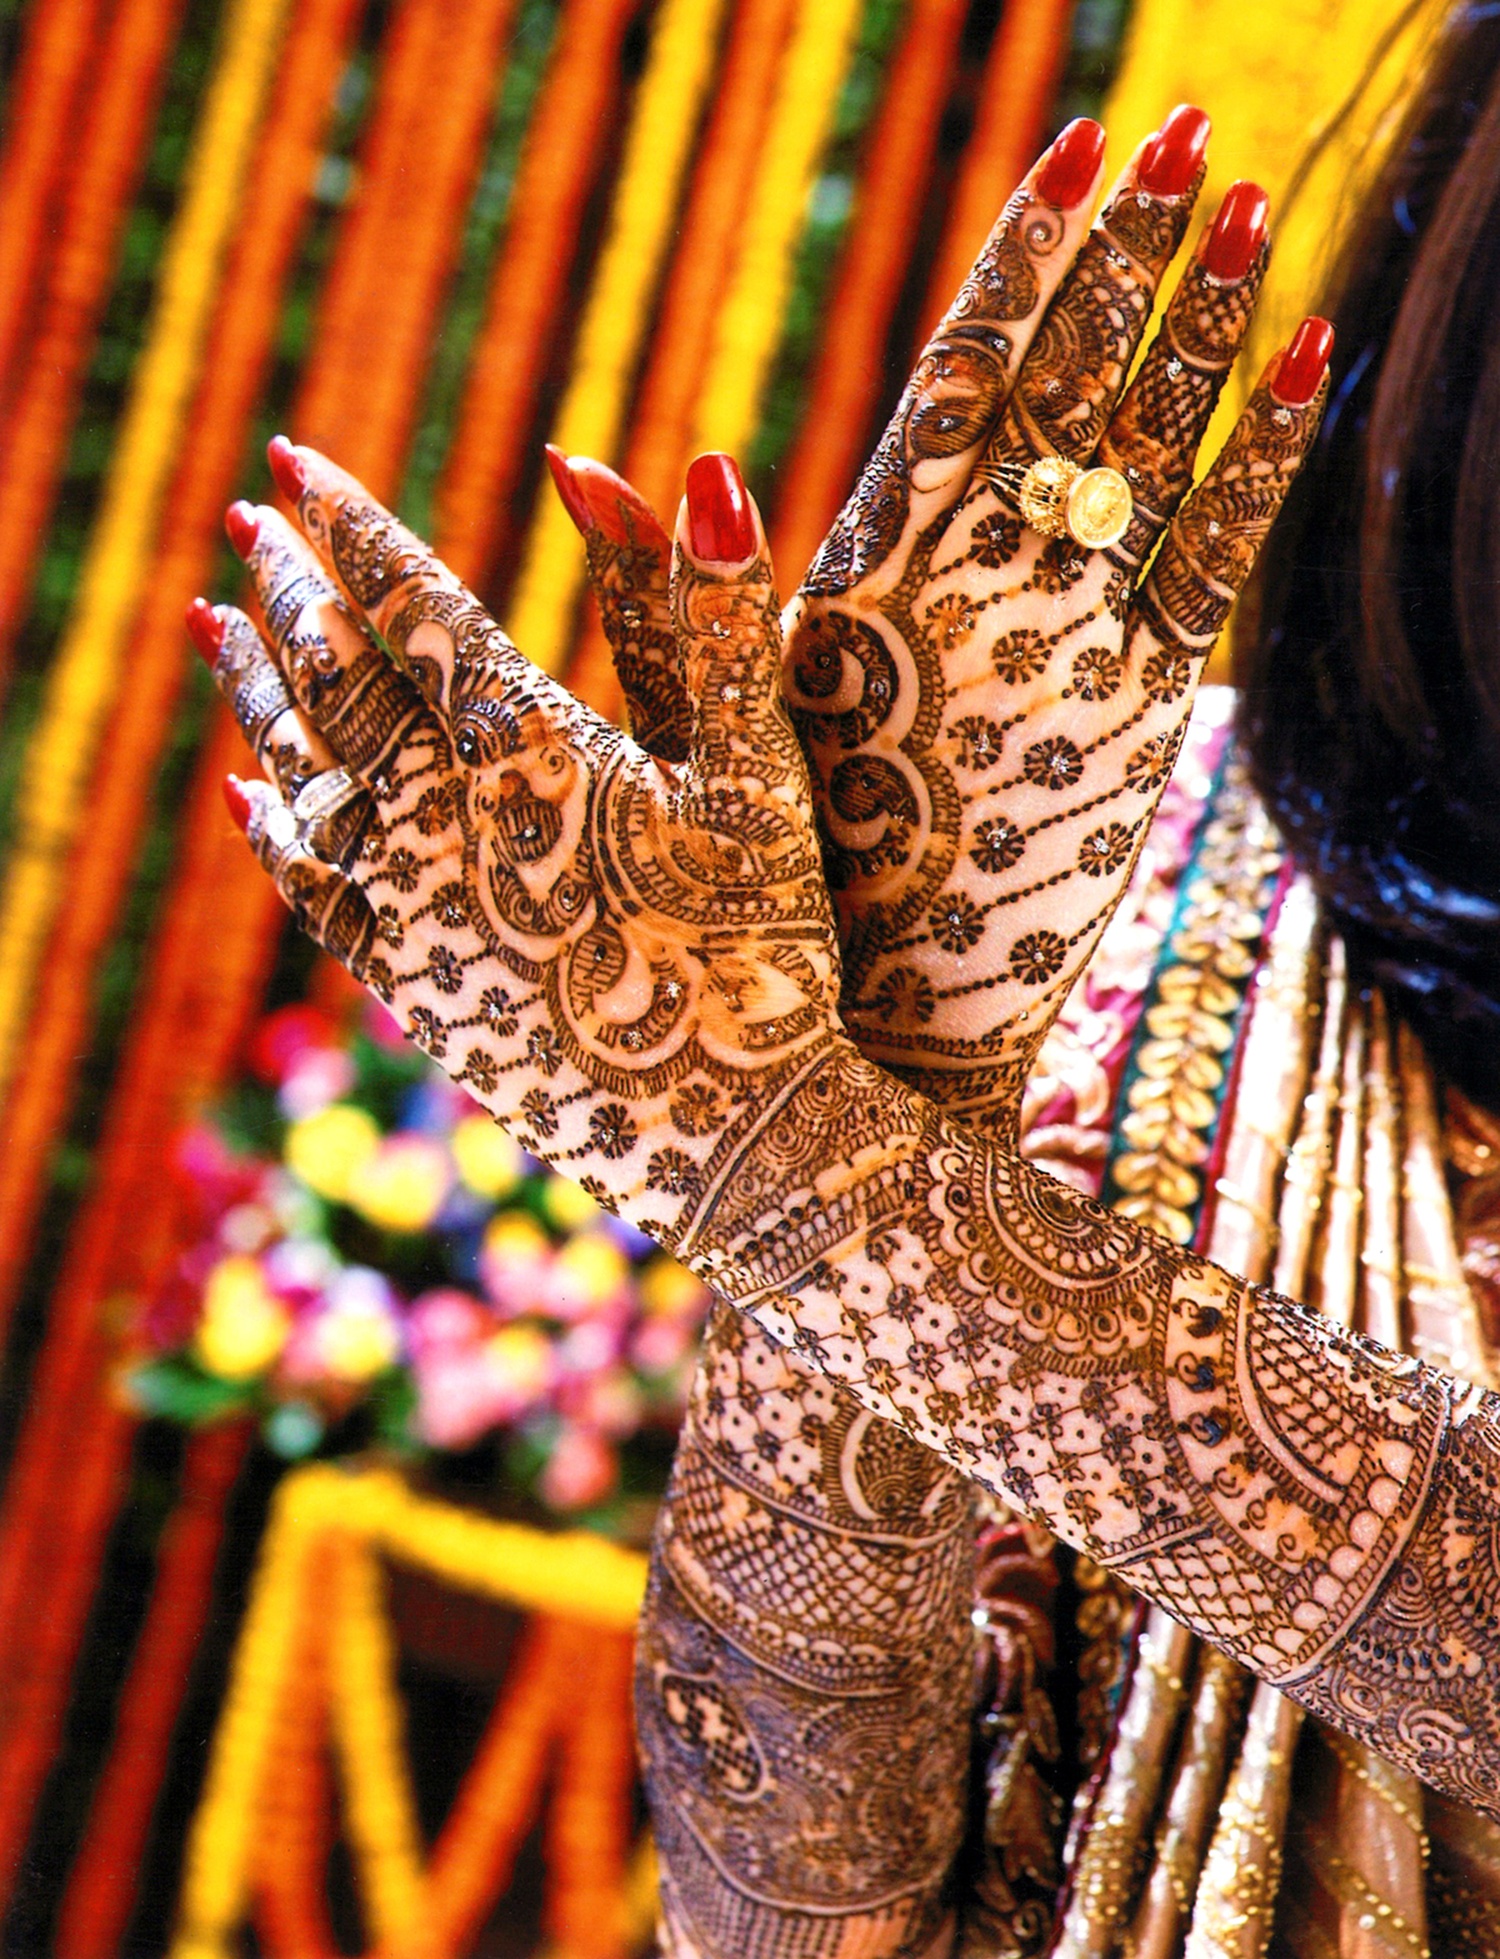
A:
(1060, 498)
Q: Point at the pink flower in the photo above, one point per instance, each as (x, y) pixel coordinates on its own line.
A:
(581, 1470)
(612, 1403)
(458, 1397)
(515, 1259)
(447, 1318)
(285, 1035)
(659, 1344)
(316, 1077)
(384, 1029)
(587, 1347)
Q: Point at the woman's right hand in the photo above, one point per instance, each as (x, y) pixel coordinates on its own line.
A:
(989, 715)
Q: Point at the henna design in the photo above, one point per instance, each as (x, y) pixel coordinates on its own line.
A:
(609, 1040)
(803, 1758)
(952, 398)
(1320, 1508)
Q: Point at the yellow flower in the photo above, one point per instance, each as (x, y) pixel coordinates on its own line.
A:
(522, 1357)
(401, 1186)
(325, 1150)
(489, 1161)
(357, 1346)
(515, 1237)
(244, 1325)
(589, 1270)
(667, 1287)
(566, 1204)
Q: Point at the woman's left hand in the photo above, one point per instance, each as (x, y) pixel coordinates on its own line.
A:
(624, 959)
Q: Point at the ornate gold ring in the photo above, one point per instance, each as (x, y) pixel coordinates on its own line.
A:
(1061, 498)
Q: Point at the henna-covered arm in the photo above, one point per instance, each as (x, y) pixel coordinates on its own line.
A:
(1324, 1510)
(634, 965)
(902, 654)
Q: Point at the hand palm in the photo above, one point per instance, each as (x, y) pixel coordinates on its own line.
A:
(603, 945)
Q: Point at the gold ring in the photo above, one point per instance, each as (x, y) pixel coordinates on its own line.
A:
(1060, 498)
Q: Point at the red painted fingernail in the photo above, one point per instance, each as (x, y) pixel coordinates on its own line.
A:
(1238, 232)
(287, 467)
(1170, 160)
(1072, 164)
(1304, 363)
(205, 629)
(573, 499)
(721, 524)
(243, 527)
(237, 802)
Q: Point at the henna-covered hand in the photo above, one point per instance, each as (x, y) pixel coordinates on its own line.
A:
(621, 956)
(990, 715)
(908, 550)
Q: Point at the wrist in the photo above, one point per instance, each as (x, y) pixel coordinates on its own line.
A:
(821, 1166)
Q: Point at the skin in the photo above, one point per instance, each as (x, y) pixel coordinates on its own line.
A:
(633, 963)
(983, 643)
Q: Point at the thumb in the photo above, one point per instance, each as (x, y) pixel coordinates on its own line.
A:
(725, 613)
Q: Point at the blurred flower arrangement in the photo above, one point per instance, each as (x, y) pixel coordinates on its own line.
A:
(379, 1265)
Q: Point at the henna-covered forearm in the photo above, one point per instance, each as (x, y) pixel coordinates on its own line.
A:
(1324, 1510)
(804, 1667)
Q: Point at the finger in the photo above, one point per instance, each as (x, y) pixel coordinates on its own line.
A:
(1215, 538)
(630, 570)
(1154, 436)
(326, 903)
(1075, 370)
(491, 700)
(724, 602)
(367, 711)
(923, 462)
(287, 748)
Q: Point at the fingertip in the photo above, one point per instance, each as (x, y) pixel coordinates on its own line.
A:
(721, 521)
(205, 629)
(237, 802)
(569, 491)
(1174, 155)
(287, 468)
(1233, 241)
(1299, 373)
(243, 526)
(1071, 166)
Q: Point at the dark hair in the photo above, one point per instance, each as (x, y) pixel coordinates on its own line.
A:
(1371, 676)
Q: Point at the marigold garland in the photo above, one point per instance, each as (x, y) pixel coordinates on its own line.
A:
(290, 1857)
(425, 187)
(888, 210)
(220, 928)
(94, 197)
(42, 117)
(241, 341)
(726, 178)
(1021, 74)
(357, 1515)
(749, 317)
(219, 1848)
(97, 1904)
(558, 166)
(500, 1796)
(369, 1725)
(360, 264)
(589, 1819)
(83, 681)
(723, 180)
(664, 118)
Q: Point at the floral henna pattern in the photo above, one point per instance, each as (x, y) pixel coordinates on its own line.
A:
(804, 1665)
(1318, 1507)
